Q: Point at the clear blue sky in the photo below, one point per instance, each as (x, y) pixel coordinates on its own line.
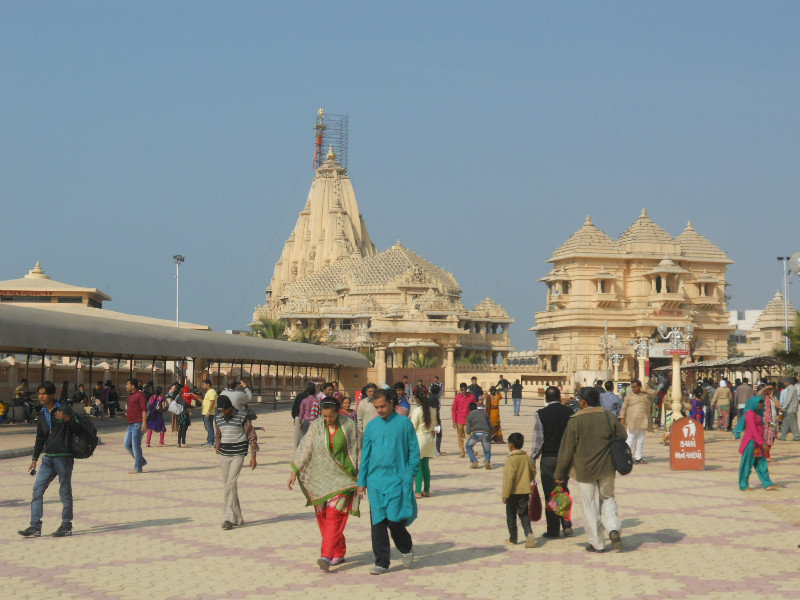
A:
(481, 134)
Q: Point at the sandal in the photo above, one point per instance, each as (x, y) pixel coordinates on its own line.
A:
(426, 494)
(417, 495)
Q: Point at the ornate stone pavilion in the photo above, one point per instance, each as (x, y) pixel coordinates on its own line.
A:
(394, 303)
(766, 332)
(601, 293)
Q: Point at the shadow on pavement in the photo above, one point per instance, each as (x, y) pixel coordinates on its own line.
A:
(631, 522)
(14, 503)
(662, 536)
(440, 555)
(449, 476)
(459, 491)
(204, 468)
(281, 519)
(133, 525)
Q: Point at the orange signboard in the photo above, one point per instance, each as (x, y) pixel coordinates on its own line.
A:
(687, 445)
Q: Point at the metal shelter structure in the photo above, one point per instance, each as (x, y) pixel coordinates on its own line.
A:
(40, 333)
(755, 366)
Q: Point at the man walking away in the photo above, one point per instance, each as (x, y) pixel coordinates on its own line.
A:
(479, 429)
(548, 429)
(209, 411)
(137, 424)
(233, 433)
(459, 413)
(389, 465)
(58, 461)
(609, 400)
(792, 399)
(586, 445)
(516, 396)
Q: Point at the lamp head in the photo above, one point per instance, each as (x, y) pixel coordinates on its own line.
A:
(663, 329)
(689, 328)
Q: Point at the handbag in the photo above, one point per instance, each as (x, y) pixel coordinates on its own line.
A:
(175, 408)
(621, 454)
(535, 504)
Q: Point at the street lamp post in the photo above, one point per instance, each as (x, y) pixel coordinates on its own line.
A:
(178, 260)
(607, 345)
(783, 260)
(642, 347)
(676, 338)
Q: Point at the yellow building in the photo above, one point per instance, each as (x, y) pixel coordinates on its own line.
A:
(766, 333)
(602, 293)
(395, 304)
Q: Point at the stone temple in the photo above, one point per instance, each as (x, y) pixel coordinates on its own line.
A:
(395, 304)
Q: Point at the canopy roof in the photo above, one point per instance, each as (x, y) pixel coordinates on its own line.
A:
(722, 364)
(24, 330)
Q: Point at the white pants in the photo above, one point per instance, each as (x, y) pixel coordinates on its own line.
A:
(231, 466)
(599, 509)
(636, 442)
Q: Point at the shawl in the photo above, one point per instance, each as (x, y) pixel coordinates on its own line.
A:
(752, 404)
(320, 475)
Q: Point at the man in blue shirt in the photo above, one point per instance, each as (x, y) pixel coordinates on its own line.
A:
(389, 464)
(609, 400)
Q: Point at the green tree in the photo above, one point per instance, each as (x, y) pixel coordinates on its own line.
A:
(473, 358)
(269, 329)
(423, 362)
(306, 335)
(791, 356)
(733, 350)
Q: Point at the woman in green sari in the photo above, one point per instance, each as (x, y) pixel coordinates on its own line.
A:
(325, 467)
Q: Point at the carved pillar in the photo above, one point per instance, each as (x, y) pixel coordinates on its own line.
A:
(380, 363)
(400, 354)
(449, 370)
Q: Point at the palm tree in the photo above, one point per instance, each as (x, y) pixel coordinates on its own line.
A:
(473, 358)
(423, 362)
(306, 335)
(269, 329)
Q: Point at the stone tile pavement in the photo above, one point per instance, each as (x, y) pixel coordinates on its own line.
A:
(687, 535)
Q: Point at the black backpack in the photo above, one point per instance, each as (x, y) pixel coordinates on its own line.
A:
(621, 454)
(83, 441)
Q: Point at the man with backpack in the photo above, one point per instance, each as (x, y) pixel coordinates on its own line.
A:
(54, 428)
(586, 445)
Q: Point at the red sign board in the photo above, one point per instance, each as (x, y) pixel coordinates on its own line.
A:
(687, 446)
(676, 352)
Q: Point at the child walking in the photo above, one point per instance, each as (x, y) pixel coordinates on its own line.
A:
(518, 473)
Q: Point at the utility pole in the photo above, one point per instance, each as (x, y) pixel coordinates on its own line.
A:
(785, 272)
(178, 260)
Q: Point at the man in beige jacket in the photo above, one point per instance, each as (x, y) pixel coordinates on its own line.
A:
(635, 416)
(586, 446)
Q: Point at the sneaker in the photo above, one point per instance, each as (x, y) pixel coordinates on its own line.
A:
(550, 536)
(337, 561)
(473, 465)
(227, 525)
(62, 531)
(378, 570)
(324, 563)
(616, 541)
(568, 530)
(530, 541)
(31, 532)
(590, 548)
(487, 465)
(408, 559)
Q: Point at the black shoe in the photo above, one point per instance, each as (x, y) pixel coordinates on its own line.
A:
(62, 531)
(31, 532)
(568, 529)
(590, 548)
(227, 525)
(550, 536)
(616, 541)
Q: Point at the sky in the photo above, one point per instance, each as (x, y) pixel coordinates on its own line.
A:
(481, 135)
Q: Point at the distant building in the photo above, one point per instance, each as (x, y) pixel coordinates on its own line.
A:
(760, 332)
(395, 304)
(632, 284)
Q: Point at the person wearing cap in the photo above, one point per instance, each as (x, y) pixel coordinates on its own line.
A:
(233, 433)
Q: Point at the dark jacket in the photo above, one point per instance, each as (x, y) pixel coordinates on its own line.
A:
(54, 442)
(554, 418)
(516, 390)
(478, 421)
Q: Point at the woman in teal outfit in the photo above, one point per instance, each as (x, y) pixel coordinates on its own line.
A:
(753, 447)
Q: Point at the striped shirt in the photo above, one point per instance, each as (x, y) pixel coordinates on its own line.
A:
(233, 436)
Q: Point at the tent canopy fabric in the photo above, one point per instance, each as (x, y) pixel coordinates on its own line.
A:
(24, 330)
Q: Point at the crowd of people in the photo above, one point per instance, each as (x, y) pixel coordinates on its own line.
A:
(380, 447)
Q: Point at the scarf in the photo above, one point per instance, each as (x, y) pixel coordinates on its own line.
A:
(752, 404)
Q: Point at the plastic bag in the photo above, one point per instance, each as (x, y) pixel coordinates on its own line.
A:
(560, 503)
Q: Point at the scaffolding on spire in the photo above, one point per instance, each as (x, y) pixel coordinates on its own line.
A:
(330, 130)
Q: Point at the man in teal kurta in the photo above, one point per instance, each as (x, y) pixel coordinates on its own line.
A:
(389, 464)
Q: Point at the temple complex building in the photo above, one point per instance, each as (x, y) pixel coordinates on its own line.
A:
(760, 332)
(602, 293)
(394, 304)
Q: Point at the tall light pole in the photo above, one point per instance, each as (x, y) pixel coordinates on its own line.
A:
(178, 260)
(783, 260)
(642, 347)
(616, 359)
(607, 345)
(677, 349)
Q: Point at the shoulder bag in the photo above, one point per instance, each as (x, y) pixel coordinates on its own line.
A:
(621, 454)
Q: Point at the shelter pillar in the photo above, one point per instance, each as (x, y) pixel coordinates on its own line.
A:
(641, 361)
(400, 354)
(380, 363)
(449, 369)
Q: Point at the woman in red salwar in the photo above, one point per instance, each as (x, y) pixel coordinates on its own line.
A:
(325, 467)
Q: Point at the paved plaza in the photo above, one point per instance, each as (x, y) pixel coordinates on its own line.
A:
(157, 535)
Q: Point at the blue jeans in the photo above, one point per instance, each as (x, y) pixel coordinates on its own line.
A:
(517, 402)
(52, 466)
(208, 421)
(133, 444)
(486, 441)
